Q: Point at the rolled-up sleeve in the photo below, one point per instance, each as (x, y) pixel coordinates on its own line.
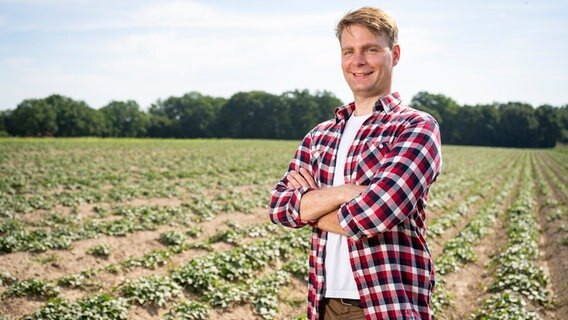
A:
(408, 170)
(285, 202)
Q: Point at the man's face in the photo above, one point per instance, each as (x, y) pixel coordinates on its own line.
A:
(367, 62)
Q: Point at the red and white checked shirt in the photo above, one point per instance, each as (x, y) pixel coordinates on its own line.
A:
(397, 154)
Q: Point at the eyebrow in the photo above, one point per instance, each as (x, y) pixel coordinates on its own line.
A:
(365, 46)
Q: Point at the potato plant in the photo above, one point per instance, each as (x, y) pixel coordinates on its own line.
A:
(194, 212)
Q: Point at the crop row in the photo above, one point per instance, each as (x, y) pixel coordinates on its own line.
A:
(455, 182)
(58, 232)
(480, 189)
(36, 175)
(459, 250)
(220, 279)
(174, 240)
(518, 278)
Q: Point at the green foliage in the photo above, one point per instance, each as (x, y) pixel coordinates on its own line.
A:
(263, 293)
(504, 306)
(99, 307)
(441, 297)
(33, 118)
(298, 266)
(202, 274)
(509, 124)
(151, 290)
(188, 310)
(32, 287)
(115, 171)
(517, 275)
(100, 250)
(172, 238)
(77, 280)
(194, 231)
(258, 114)
(124, 119)
(151, 260)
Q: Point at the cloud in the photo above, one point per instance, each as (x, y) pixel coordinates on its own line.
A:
(224, 64)
(190, 14)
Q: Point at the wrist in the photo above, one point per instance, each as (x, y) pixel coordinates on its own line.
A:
(349, 191)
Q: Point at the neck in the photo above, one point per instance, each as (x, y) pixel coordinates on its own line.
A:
(365, 105)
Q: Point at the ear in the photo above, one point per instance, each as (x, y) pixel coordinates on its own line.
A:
(395, 54)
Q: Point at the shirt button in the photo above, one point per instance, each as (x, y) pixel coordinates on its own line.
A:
(380, 146)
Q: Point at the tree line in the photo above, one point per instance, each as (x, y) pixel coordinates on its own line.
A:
(258, 114)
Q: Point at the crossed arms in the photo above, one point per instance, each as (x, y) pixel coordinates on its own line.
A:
(320, 206)
(396, 190)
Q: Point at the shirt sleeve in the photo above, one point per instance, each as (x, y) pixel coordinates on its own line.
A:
(410, 167)
(285, 202)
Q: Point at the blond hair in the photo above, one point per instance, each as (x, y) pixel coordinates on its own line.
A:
(376, 20)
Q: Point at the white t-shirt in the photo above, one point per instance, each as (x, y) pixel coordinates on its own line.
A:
(339, 279)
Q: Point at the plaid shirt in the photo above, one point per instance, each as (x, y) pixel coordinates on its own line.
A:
(397, 154)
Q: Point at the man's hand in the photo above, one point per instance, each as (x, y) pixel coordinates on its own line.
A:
(319, 202)
(300, 179)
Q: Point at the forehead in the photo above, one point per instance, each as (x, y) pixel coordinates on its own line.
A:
(360, 35)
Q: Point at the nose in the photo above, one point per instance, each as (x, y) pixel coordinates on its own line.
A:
(359, 59)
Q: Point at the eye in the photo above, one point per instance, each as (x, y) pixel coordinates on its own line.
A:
(372, 50)
(347, 53)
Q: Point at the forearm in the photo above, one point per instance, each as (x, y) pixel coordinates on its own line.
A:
(330, 223)
(317, 203)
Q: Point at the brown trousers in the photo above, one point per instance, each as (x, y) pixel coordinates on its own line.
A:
(334, 309)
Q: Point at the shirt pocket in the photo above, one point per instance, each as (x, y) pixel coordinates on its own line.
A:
(369, 161)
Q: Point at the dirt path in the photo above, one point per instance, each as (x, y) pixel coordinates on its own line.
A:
(553, 214)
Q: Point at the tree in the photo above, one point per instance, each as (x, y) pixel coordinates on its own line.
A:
(518, 126)
(327, 102)
(4, 117)
(192, 115)
(242, 116)
(306, 110)
(549, 130)
(75, 118)
(563, 121)
(478, 125)
(444, 109)
(160, 126)
(125, 119)
(34, 117)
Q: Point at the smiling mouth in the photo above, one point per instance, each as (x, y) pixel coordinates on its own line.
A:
(361, 74)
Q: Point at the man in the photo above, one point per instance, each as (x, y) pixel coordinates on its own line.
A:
(361, 180)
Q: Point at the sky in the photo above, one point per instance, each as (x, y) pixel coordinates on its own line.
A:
(97, 51)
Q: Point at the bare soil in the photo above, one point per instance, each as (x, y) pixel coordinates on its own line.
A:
(54, 264)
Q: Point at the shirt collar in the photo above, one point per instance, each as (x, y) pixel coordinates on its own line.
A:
(385, 103)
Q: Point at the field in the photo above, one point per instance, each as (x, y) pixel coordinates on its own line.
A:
(178, 229)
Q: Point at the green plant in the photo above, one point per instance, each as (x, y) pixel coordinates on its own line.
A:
(76, 280)
(100, 250)
(194, 231)
(188, 310)
(151, 290)
(102, 306)
(172, 238)
(32, 286)
(504, 306)
(151, 260)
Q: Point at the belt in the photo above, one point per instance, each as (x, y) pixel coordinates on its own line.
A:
(351, 302)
